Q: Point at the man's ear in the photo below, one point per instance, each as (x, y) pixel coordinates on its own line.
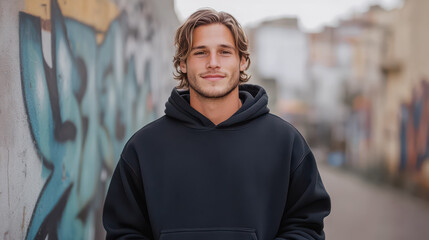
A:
(243, 64)
(183, 66)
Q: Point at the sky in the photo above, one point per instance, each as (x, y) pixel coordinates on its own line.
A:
(312, 14)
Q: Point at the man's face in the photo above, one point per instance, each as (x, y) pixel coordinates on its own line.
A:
(213, 65)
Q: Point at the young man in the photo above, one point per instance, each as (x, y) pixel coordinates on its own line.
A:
(218, 165)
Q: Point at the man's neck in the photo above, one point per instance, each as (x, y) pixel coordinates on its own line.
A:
(216, 110)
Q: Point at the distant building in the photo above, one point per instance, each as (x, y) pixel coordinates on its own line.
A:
(279, 51)
(406, 96)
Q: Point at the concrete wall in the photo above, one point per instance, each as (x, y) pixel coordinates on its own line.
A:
(407, 94)
(78, 78)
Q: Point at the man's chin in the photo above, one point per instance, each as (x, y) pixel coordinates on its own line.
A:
(213, 93)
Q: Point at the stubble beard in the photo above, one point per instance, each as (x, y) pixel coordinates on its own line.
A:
(214, 94)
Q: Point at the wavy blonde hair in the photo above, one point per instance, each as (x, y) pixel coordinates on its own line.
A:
(183, 40)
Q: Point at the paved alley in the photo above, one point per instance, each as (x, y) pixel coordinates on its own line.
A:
(361, 210)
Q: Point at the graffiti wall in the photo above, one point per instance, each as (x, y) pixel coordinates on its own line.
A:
(91, 73)
(414, 132)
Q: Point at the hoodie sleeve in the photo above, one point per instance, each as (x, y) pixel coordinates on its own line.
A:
(307, 204)
(125, 213)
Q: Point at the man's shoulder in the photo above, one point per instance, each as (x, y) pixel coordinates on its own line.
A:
(285, 131)
(281, 124)
(144, 136)
(150, 129)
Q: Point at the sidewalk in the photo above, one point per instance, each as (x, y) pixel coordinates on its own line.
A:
(363, 211)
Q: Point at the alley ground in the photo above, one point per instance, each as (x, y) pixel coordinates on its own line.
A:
(365, 211)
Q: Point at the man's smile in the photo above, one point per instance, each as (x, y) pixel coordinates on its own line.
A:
(213, 77)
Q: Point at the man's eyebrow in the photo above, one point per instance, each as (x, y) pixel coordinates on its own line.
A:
(198, 47)
(227, 46)
(221, 45)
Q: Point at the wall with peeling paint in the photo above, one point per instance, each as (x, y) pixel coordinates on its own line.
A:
(78, 78)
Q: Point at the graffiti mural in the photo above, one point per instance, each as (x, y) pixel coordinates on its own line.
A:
(414, 129)
(84, 98)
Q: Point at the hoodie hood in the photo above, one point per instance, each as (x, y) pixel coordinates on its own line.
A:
(254, 104)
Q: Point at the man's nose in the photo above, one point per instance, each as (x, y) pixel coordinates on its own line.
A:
(213, 61)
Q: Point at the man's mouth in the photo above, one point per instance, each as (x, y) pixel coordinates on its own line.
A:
(213, 77)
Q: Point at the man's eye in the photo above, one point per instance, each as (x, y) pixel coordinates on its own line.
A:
(226, 52)
(199, 53)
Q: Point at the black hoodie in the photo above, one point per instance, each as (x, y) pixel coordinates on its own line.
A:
(182, 177)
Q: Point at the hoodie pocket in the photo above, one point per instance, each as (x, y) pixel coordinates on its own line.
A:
(209, 234)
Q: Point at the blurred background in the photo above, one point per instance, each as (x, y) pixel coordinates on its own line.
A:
(80, 77)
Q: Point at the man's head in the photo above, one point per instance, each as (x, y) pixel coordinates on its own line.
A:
(185, 43)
